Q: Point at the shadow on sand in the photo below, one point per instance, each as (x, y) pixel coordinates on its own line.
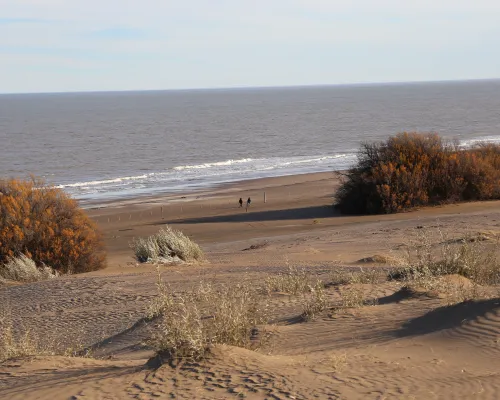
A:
(448, 317)
(272, 215)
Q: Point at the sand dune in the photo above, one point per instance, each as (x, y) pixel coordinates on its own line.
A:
(396, 345)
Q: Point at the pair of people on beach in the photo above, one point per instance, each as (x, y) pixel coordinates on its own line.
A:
(248, 203)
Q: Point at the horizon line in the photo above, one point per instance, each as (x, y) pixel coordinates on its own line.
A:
(222, 88)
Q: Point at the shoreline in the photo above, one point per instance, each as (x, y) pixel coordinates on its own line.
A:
(295, 206)
(217, 189)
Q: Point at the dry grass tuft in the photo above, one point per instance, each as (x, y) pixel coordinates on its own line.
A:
(24, 269)
(451, 269)
(337, 362)
(341, 276)
(19, 341)
(190, 324)
(315, 303)
(17, 345)
(352, 297)
(167, 246)
(477, 260)
(294, 281)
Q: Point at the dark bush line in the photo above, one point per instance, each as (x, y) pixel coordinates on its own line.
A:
(411, 169)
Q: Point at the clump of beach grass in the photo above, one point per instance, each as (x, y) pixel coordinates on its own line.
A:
(189, 324)
(294, 281)
(18, 345)
(453, 269)
(166, 246)
(477, 260)
(352, 297)
(315, 303)
(341, 276)
(24, 269)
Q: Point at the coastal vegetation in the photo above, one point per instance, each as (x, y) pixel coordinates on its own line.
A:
(166, 246)
(412, 169)
(43, 232)
(189, 324)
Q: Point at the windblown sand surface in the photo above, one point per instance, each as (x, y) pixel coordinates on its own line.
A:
(404, 347)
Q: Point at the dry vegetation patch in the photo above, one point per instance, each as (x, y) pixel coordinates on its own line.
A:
(44, 224)
(294, 281)
(456, 270)
(477, 260)
(24, 269)
(315, 303)
(166, 246)
(411, 170)
(188, 325)
(342, 276)
(18, 341)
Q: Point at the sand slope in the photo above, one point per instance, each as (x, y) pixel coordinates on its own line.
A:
(403, 347)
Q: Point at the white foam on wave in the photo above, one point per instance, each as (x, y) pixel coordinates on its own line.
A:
(104, 181)
(211, 173)
(481, 139)
(214, 164)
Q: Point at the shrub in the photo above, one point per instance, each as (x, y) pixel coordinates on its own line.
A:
(340, 276)
(45, 224)
(410, 170)
(191, 323)
(294, 281)
(167, 245)
(16, 345)
(468, 256)
(24, 269)
(315, 303)
(18, 341)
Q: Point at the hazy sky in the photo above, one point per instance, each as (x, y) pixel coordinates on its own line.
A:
(76, 45)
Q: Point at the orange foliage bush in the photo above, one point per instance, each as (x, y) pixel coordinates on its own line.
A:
(411, 169)
(46, 225)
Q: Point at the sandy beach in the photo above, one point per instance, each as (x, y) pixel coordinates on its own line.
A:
(398, 347)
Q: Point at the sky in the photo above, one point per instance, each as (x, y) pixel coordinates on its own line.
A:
(107, 45)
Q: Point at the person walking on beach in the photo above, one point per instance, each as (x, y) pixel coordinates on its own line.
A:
(241, 202)
(248, 203)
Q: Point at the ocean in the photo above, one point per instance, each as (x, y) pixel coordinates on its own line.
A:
(100, 146)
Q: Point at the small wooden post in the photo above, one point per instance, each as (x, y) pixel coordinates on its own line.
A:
(265, 199)
(161, 212)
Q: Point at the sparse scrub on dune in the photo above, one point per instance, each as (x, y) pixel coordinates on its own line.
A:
(20, 342)
(15, 345)
(190, 324)
(352, 297)
(341, 276)
(24, 269)
(294, 281)
(477, 260)
(44, 224)
(410, 170)
(315, 303)
(166, 246)
(454, 269)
